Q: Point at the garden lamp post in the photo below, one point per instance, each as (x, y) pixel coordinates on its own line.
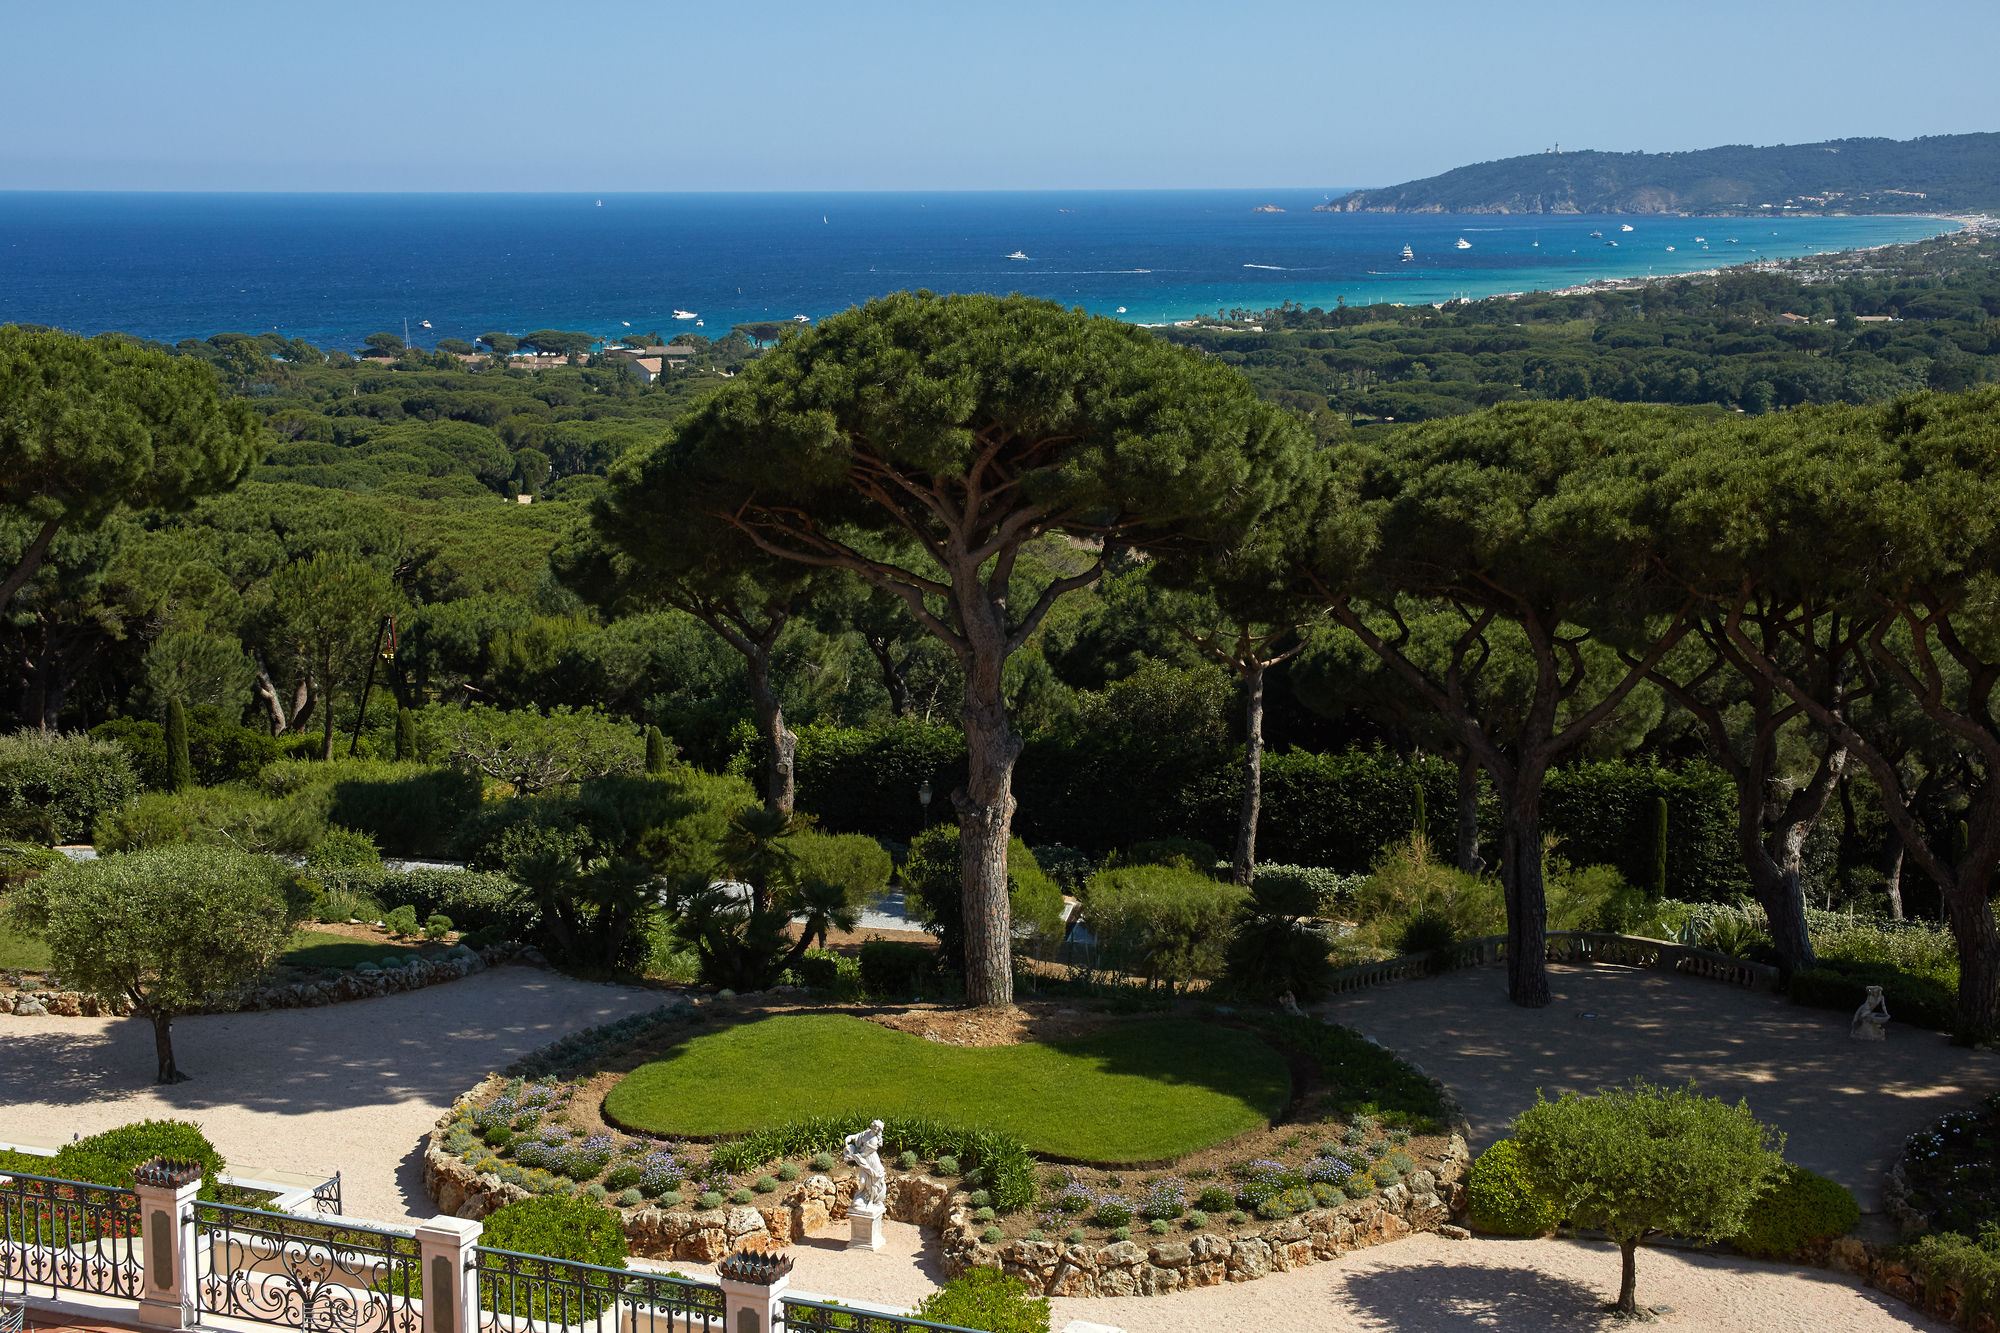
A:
(924, 799)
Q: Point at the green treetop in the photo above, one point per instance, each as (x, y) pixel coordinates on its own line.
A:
(962, 428)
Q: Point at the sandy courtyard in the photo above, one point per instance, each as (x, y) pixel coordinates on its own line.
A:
(350, 1088)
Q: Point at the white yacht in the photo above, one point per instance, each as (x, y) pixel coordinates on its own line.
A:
(1626, 227)
(1670, 249)
(1408, 254)
(685, 314)
(1017, 255)
(1464, 244)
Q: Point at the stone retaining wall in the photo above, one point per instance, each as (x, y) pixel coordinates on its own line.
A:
(349, 985)
(1153, 1266)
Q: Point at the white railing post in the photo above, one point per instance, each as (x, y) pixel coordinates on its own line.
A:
(752, 1289)
(166, 1188)
(446, 1249)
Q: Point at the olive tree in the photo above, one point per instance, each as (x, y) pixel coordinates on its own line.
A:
(165, 930)
(962, 428)
(1645, 1160)
(90, 426)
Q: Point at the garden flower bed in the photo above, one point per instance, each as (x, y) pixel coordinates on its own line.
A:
(1341, 1168)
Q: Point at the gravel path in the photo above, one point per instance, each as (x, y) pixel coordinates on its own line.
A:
(350, 1088)
(1421, 1284)
(1844, 1106)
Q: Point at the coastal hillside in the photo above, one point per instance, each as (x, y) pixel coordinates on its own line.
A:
(1942, 174)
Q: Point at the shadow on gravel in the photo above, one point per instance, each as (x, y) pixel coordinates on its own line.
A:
(1476, 1298)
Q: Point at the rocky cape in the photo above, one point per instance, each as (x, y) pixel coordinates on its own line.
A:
(1943, 173)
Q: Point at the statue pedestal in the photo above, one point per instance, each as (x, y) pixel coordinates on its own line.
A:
(865, 1223)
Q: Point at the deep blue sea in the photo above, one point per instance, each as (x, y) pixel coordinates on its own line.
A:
(332, 268)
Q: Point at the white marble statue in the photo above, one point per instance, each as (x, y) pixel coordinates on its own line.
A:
(1871, 1018)
(1290, 1005)
(871, 1184)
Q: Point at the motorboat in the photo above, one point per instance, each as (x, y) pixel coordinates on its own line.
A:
(1464, 244)
(1408, 254)
(1597, 236)
(1670, 249)
(1626, 227)
(1017, 255)
(685, 314)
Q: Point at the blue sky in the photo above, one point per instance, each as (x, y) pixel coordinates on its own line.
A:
(885, 95)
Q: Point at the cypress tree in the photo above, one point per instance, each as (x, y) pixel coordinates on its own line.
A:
(180, 768)
(656, 752)
(1656, 862)
(406, 735)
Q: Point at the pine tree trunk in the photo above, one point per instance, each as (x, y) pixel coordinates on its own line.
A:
(1892, 873)
(985, 806)
(1468, 816)
(780, 780)
(1628, 1277)
(1245, 864)
(1773, 881)
(892, 677)
(1521, 882)
(1978, 955)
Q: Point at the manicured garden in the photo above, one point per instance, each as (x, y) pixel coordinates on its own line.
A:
(1143, 1092)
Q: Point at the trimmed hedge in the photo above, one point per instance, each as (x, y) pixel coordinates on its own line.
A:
(987, 1299)
(473, 899)
(561, 1228)
(220, 751)
(1503, 1200)
(1795, 1208)
(109, 1158)
(1336, 811)
(1841, 983)
(73, 779)
(892, 967)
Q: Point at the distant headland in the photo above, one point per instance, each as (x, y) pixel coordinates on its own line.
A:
(1942, 174)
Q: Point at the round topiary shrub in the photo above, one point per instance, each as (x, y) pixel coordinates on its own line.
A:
(764, 1184)
(670, 1199)
(1117, 1233)
(823, 1161)
(982, 1214)
(1238, 1218)
(710, 1199)
(947, 1165)
(992, 1235)
(1035, 1233)
(595, 1193)
(1502, 1200)
(979, 1198)
(561, 1228)
(908, 1161)
(1196, 1220)
(739, 1197)
(1076, 1236)
(789, 1171)
(1158, 1227)
(1796, 1207)
(631, 1198)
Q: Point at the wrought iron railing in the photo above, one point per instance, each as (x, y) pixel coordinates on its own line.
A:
(68, 1236)
(318, 1277)
(803, 1316)
(529, 1293)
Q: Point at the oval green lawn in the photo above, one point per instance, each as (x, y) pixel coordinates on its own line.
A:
(1137, 1093)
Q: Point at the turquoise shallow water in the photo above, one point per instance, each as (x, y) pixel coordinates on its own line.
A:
(334, 268)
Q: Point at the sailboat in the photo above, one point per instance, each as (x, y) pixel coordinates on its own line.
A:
(1408, 254)
(1464, 244)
